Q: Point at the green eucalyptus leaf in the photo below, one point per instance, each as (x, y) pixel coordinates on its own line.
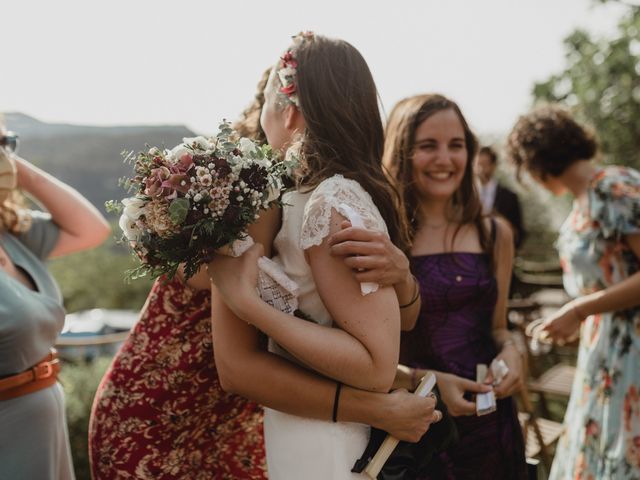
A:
(178, 210)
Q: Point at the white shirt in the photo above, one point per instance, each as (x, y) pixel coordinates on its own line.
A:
(488, 195)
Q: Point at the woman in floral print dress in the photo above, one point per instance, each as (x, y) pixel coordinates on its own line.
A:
(160, 412)
(599, 247)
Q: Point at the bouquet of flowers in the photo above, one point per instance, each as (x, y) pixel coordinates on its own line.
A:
(196, 199)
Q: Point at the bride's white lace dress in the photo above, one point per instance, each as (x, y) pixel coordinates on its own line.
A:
(301, 448)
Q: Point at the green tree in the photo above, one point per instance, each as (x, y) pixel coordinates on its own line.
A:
(96, 279)
(601, 83)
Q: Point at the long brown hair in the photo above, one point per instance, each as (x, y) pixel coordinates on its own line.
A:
(404, 120)
(344, 134)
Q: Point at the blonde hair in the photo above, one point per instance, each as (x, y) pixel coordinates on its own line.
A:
(14, 217)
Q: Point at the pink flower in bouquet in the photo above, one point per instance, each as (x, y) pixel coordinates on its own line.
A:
(177, 182)
(154, 181)
(185, 162)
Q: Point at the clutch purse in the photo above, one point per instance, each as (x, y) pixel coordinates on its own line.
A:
(8, 175)
(411, 460)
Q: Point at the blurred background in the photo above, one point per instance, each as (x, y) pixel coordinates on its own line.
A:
(82, 81)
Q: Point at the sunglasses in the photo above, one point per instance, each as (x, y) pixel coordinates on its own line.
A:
(9, 141)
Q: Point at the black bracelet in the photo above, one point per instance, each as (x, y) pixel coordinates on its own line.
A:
(416, 294)
(336, 400)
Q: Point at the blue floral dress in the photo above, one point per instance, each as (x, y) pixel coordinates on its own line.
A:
(602, 437)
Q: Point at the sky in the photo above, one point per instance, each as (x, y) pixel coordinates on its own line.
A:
(196, 62)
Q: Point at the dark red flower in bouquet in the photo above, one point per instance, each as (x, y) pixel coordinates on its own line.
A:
(222, 167)
(232, 215)
(255, 177)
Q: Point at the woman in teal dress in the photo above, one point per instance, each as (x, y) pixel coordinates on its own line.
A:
(599, 247)
(33, 435)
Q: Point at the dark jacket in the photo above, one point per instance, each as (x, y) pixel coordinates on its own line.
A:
(507, 204)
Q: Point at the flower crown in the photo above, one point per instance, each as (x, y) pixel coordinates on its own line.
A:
(287, 68)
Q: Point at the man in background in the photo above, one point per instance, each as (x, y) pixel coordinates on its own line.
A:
(496, 198)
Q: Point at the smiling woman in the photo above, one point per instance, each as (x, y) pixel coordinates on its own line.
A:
(462, 261)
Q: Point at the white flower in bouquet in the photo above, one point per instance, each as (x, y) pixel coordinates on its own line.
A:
(197, 143)
(246, 146)
(179, 151)
(134, 207)
(130, 228)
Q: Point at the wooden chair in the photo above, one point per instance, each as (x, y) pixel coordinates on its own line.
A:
(540, 434)
(555, 381)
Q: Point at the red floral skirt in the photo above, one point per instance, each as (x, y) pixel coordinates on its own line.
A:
(160, 412)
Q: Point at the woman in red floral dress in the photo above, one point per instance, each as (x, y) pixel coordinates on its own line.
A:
(160, 412)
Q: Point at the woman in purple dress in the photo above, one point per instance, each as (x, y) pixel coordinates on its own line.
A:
(462, 262)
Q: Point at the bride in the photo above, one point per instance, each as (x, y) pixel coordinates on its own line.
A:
(321, 88)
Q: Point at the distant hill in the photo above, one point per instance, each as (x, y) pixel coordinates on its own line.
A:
(88, 157)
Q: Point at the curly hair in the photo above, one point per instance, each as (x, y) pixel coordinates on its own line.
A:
(547, 140)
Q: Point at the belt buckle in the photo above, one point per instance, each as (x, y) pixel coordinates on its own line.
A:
(48, 367)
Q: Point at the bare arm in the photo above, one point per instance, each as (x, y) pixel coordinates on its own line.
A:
(362, 353)
(504, 252)
(245, 368)
(372, 257)
(81, 225)
(564, 323)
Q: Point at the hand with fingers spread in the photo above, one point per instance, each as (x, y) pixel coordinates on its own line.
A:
(452, 390)
(370, 254)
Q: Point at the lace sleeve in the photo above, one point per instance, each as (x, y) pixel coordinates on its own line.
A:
(330, 195)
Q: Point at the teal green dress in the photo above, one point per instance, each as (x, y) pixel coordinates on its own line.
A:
(602, 438)
(34, 443)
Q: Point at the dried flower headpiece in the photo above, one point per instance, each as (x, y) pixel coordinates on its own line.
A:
(287, 68)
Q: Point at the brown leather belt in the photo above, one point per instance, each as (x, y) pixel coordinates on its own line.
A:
(42, 375)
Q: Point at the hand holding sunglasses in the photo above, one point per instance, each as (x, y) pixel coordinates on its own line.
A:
(9, 140)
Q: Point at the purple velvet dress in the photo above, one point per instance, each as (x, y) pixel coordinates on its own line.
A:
(453, 334)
